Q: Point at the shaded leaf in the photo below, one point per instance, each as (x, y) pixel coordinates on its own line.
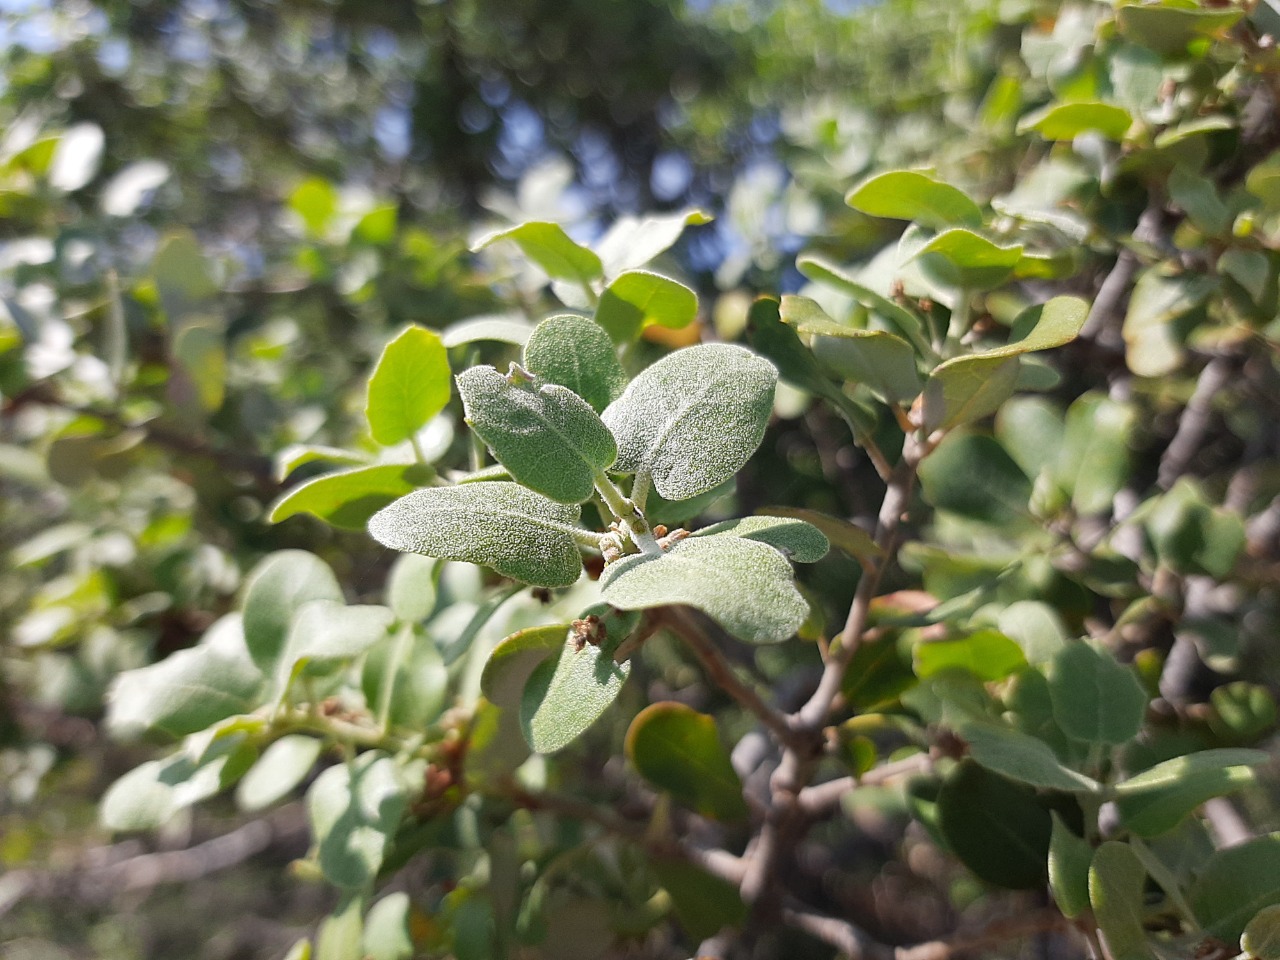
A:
(997, 828)
(899, 317)
(678, 750)
(1153, 341)
(1093, 462)
(1169, 28)
(704, 904)
(1156, 800)
(411, 587)
(1022, 757)
(354, 809)
(1235, 884)
(1070, 857)
(404, 679)
(1095, 699)
(972, 475)
(1116, 882)
(324, 631)
(513, 660)
(567, 694)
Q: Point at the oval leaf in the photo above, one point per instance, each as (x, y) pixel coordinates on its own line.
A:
(348, 498)
(547, 245)
(693, 418)
(967, 388)
(678, 750)
(354, 809)
(997, 828)
(1022, 757)
(1156, 800)
(798, 540)
(547, 436)
(576, 353)
(638, 298)
(1095, 699)
(962, 258)
(914, 195)
(512, 662)
(747, 587)
(409, 385)
(280, 584)
(1066, 121)
(566, 695)
(1116, 882)
(502, 525)
(282, 766)
(1235, 884)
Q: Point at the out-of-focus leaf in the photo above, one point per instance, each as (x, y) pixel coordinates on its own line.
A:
(914, 195)
(547, 245)
(1169, 28)
(504, 328)
(404, 679)
(275, 589)
(965, 259)
(1066, 121)
(997, 828)
(348, 498)
(1159, 303)
(1093, 462)
(633, 241)
(1116, 881)
(1022, 757)
(1235, 884)
(1261, 937)
(1070, 857)
(678, 750)
(849, 537)
(988, 654)
(323, 631)
(1156, 800)
(282, 766)
(386, 929)
(354, 810)
(704, 904)
(972, 475)
(1095, 699)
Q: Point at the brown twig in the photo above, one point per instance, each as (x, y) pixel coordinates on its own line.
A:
(1000, 931)
(821, 798)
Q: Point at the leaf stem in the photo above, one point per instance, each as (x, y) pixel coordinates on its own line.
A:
(629, 516)
(418, 453)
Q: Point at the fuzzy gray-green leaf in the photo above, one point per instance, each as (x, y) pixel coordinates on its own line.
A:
(502, 525)
(693, 418)
(797, 539)
(746, 586)
(576, 353)
(546, 435)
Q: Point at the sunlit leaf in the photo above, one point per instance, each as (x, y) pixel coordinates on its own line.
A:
(1156, 800)
(348, 498)
(410, 385)
(914, 195)
(576, 353)
(638, 298)
(1116, 882)
(547, 245)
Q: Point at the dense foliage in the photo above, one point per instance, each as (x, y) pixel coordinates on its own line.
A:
(496, 480)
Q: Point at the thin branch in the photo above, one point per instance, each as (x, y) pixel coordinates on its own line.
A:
(689, 627)
(1000, 931)
(852, 942)
(1194, 423)
(820, 799)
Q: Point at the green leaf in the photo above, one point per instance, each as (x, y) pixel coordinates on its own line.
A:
(354, 810)
(1242, 710)
(1070, 857)
(200, 352)
(547, 436)
(1035, 627)
(797, 539)
(972, 476)
(315, 201)
(404, 679)
(299, 454)
(498, 524)
(1159, 303)
(567, 694)
(638, 298)
(1235, 884)
(704, 904)
(410, 385)
(348, 498)
(997, 828)
(1095, 699)
(1261, 937)
(1093, 462)
(547, 245)
(1116, 882)
(634, 241)
(962, 258)
(967, 388)
(678, 750)
(386, 929)
(694, 418)
(988, 654)
(411, 587)
(1156, 800)
(849, 537)
(899, 317)
(188, 690)
(884, 362)
(746, 587)
(576, 353)
(1030, 431)
(914, 195)
(1022, 757)
(324, 631)
(1169, 28)
(1066, 121)
(280, 584)
(1045, 326)
(282, 766)
(148, 796)
(512, 661)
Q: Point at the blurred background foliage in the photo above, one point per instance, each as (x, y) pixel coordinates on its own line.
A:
(214, 213)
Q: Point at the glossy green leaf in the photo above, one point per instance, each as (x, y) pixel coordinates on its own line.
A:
(576, 353)
(547, 245)
(354, 809)
(797, 539)
(962, 258)
(1158, 305)
(849, 537)
(1095, 699)
(280, 584)
(501, 525)
(188, 690)
(1261, 937)
(694, 418)
(567, 694)
(914, 195)
(323, 632)
(512, 661)
(967, 388)
(638, 298)
(386, 929)
(1022, 757)
(633, 241)
(410, 385)
(678, 750)
(747, 587)
(1235, 884)
(1069, 859)
(348, 498)
(1066, 121)
(1116, 882)
(1156, 800)
(1093, 462)
(547, 436)
(988, 655)
(972, 476)
(997, 828)
(404, 679)
(1169, 28)
(299, 454)
(884, 362)
(906, 323)
(282, 766)
(704, 904)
